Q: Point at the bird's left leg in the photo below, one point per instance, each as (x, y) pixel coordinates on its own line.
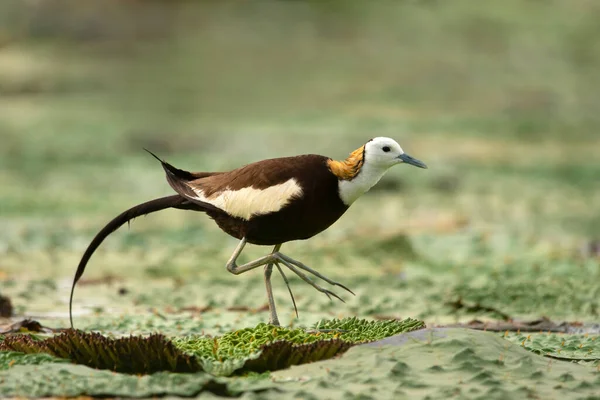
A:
(268, 271)
(273, 320)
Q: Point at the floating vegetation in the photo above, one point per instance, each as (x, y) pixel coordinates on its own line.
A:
(577, 348)
(9, 359)
(134, 354)
(262, 348)
(573, 297)
(361, 330)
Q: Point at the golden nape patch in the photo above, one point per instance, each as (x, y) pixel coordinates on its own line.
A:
(248, 201)
(350, 167)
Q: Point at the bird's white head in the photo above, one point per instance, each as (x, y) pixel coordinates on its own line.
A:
(383, 152)
(366, 165)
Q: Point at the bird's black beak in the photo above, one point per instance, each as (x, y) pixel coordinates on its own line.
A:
(412, 161)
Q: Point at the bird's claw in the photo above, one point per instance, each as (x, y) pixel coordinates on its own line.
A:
(343, 287)
(329, 293)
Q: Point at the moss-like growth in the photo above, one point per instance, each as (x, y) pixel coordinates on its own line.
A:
(361, 330)
(243, 342)
(262, 348)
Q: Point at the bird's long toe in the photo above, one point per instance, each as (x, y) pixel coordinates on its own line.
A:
(287, 283)
(306, 279)
(312, 271)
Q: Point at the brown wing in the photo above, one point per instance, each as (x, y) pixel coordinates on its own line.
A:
(259, 175)
(258, 188)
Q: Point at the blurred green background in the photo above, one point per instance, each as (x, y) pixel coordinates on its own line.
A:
(501, 99)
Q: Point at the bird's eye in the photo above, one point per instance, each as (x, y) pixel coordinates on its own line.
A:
(385, 148)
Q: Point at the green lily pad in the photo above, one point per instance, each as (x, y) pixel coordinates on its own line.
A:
(262, 348)
(577, 348)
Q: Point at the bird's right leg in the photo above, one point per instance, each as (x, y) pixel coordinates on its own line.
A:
(240, 269)
(267, 260)
(277, 257)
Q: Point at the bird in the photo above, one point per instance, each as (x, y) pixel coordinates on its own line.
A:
(270, 203)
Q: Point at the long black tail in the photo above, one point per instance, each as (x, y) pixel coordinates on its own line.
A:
(151, 206)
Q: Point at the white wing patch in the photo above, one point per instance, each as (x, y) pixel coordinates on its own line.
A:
(246, 202)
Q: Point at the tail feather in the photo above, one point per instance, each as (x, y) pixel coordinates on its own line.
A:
(169, 169)
(181, 181)
(181, 173)
(151, 206)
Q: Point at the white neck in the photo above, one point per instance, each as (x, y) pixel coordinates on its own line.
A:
(350, 190)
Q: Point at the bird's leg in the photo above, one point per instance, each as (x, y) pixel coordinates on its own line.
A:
(267, 260)
(273, 320)
(240, 269)
(312, 271)
(275, 258)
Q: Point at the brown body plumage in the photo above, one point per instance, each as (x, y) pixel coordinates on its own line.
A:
(302, 217)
